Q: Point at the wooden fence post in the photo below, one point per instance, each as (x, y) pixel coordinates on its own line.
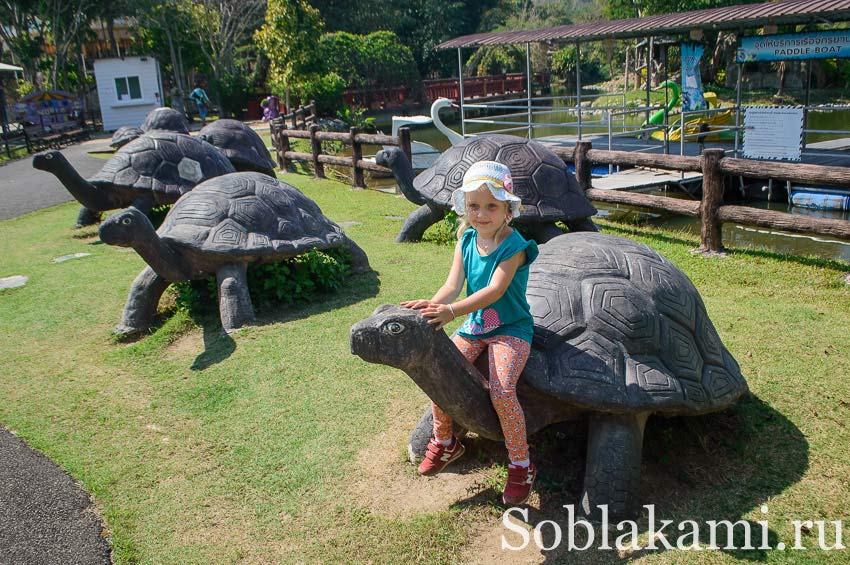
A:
(282, 159)
(583, 165)
(711, 241)
(316, 145)
(404, 143)
(356, 156)
(294, 115)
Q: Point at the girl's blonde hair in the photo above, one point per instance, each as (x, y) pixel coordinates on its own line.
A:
(464, 221)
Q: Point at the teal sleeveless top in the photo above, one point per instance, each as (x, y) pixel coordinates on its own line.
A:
(510, 315)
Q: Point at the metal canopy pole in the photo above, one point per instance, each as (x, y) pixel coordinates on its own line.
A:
(460, 90)
(738, 107)
(806, 107)
(645, 133)
(528, 87)
(578, 87)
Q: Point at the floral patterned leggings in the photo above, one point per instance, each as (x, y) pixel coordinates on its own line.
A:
(507, 359)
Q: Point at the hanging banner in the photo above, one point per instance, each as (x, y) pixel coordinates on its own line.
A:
(795, 46)
(692, 97)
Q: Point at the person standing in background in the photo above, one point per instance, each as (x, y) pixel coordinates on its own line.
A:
(202, 100)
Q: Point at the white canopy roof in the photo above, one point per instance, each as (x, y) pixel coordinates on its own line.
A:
(10, 68)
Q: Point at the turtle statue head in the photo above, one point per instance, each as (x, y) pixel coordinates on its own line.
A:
(124, 227)
(389, 157)
(48, 161)
(394, 336)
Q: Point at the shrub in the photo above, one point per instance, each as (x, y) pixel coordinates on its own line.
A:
(298, 279)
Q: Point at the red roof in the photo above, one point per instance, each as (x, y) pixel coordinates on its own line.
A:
(731, 17)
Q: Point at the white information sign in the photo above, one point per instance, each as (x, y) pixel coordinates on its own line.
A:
(773, 132)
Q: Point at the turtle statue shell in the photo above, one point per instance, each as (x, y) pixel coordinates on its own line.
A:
(240, 144)
(249, 214)
(220, 227)
(547, 188)
(166, 119)
(617, 327)
(124, 135)
(166, 163)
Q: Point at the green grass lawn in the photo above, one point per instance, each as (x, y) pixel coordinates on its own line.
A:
(276, 445)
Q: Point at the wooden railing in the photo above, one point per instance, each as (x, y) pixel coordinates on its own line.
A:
(301, 118)
(479, 87)
(285, 155)
(714, 166)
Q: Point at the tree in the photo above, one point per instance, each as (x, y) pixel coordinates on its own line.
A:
(17, 20)
(288, 37)
(221, 26)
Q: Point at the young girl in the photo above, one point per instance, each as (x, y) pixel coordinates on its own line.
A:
(493, 259)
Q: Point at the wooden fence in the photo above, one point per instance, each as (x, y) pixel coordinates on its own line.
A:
(714, 167)
(285, 155)
(301, 118)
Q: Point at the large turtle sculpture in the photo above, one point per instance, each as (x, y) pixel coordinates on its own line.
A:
(219, 228)
(619, 333)
(155, 168)
(124, 135)
(165, 119)
(548, 190)
(240, 144)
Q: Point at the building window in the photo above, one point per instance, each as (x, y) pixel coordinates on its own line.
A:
(128, 88)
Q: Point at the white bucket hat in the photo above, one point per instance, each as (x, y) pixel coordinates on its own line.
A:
(497, 177)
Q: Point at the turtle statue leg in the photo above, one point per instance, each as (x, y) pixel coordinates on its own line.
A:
(544, 231)
(612, 473)
(419, 221)
(359, 260)
(87, 217)
(141, 304)
(422, 434)
(581, 224)
(234, 302)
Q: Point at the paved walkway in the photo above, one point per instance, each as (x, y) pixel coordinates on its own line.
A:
(24, 189)
(45, 517)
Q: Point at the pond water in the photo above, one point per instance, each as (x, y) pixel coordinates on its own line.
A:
(734, 236)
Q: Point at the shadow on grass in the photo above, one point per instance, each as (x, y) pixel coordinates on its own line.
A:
(355, 289)
(708, 468)
(218, 346)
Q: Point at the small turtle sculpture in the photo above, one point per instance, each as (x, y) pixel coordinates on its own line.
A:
(240, 144)
(218, 228)
(124, 135)
(619, 333)
(548, 190)
(155, 168)
(165, 119)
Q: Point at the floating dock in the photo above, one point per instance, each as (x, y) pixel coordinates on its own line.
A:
(640, 179)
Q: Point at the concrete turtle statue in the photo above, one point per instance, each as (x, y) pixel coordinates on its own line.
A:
(124, 135)
(219, 228)
(165, 119)
(548, 190)
(155, 168)
(240, 144)
(620, 333)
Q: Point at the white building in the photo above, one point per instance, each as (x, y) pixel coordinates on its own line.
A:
(128, 89)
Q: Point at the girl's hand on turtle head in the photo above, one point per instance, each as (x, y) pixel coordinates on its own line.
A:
(439, 315)
(416, 304)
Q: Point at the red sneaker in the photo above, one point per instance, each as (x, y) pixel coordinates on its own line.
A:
(438, 456)
(520, 480)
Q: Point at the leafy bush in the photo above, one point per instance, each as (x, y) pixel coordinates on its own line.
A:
(232, 91)
(298, 279)
(326, 89)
